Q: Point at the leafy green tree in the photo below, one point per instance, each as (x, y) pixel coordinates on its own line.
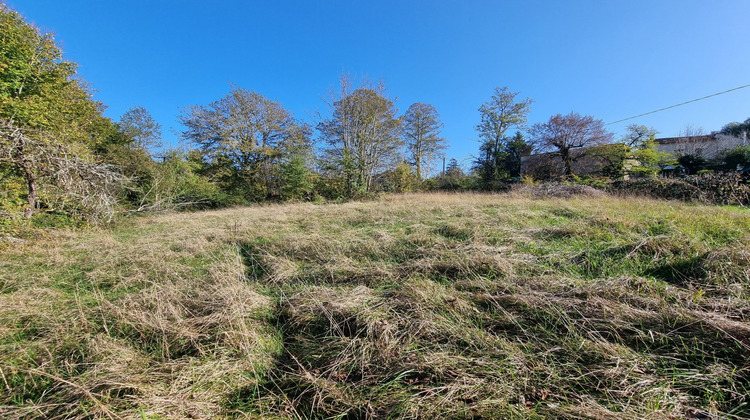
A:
(737, 129)
(421, 132)
(736, 157)
(501, 113)
(363, 136)
(637, 154)
(245, 136)
(568, 137)
(614, 157)
(50, 123)
(119, 148)
(297, 178)
(636, 136)
(692, 163)
(514, 149)
(400, 179)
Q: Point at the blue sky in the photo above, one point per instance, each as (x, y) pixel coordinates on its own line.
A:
(609, 59)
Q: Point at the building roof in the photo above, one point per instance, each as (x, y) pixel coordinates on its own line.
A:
(687, 139)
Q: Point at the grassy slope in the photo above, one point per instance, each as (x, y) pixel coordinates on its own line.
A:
(412, 306)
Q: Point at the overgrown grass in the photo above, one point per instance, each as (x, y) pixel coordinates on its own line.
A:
(413, 306)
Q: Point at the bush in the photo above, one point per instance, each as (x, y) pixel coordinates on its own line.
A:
(296, 179)
(401, 179)
(711, 188)
(176, 185)
(452, 180)
(733, 158)
(692, 163)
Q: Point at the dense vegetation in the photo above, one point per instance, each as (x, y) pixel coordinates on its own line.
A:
(63, 162)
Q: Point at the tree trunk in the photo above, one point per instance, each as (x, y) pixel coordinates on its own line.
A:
(31, 182)
(568, 170)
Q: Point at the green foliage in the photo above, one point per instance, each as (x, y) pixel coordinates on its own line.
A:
(138, 124)
(363, 136)
(39, 89)
(33, 73)
(650, 160)
(245, 138)
(591, 181)
(296, 179)
(635, 155)
(613, 156)
(13, 191)
(54, 220)
(49, 122)
(454, 179)
(737, 129)
(500, 156)
(732, 159)
(692, 164)
(176, 184)
(401, 179)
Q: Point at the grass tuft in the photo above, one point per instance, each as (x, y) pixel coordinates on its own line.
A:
(533, 304)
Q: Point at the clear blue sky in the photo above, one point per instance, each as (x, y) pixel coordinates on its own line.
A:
(609, 59)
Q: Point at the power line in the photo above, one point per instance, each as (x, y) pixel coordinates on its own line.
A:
(680, 104)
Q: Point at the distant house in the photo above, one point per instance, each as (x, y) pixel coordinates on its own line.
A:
(549, 165)
(708, 146)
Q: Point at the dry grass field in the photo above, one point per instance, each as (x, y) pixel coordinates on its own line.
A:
(411, 306)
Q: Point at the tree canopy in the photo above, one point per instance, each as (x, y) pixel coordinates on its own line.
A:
(737, 129)
(421, 131)
(247, 134)
(49, 121)
(501, 113)
(363, 135)
(562, 134)
(138, 124)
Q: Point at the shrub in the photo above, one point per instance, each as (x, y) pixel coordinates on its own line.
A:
(711, 188)
(733, 158)
(296, 177)
(692, 163)
(401, 179)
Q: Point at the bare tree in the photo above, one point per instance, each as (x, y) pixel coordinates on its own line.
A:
(139, 125)
(691, 131)
(563, 134)
(45, 162)
(421, 131)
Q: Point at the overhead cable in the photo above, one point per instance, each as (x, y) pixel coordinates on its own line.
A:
(680, 104)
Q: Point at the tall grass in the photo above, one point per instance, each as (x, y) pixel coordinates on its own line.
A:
(412, 306)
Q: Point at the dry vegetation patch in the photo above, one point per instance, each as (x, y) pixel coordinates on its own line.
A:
(413, 306)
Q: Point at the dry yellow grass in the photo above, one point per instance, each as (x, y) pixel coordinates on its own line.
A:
(410, 306)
